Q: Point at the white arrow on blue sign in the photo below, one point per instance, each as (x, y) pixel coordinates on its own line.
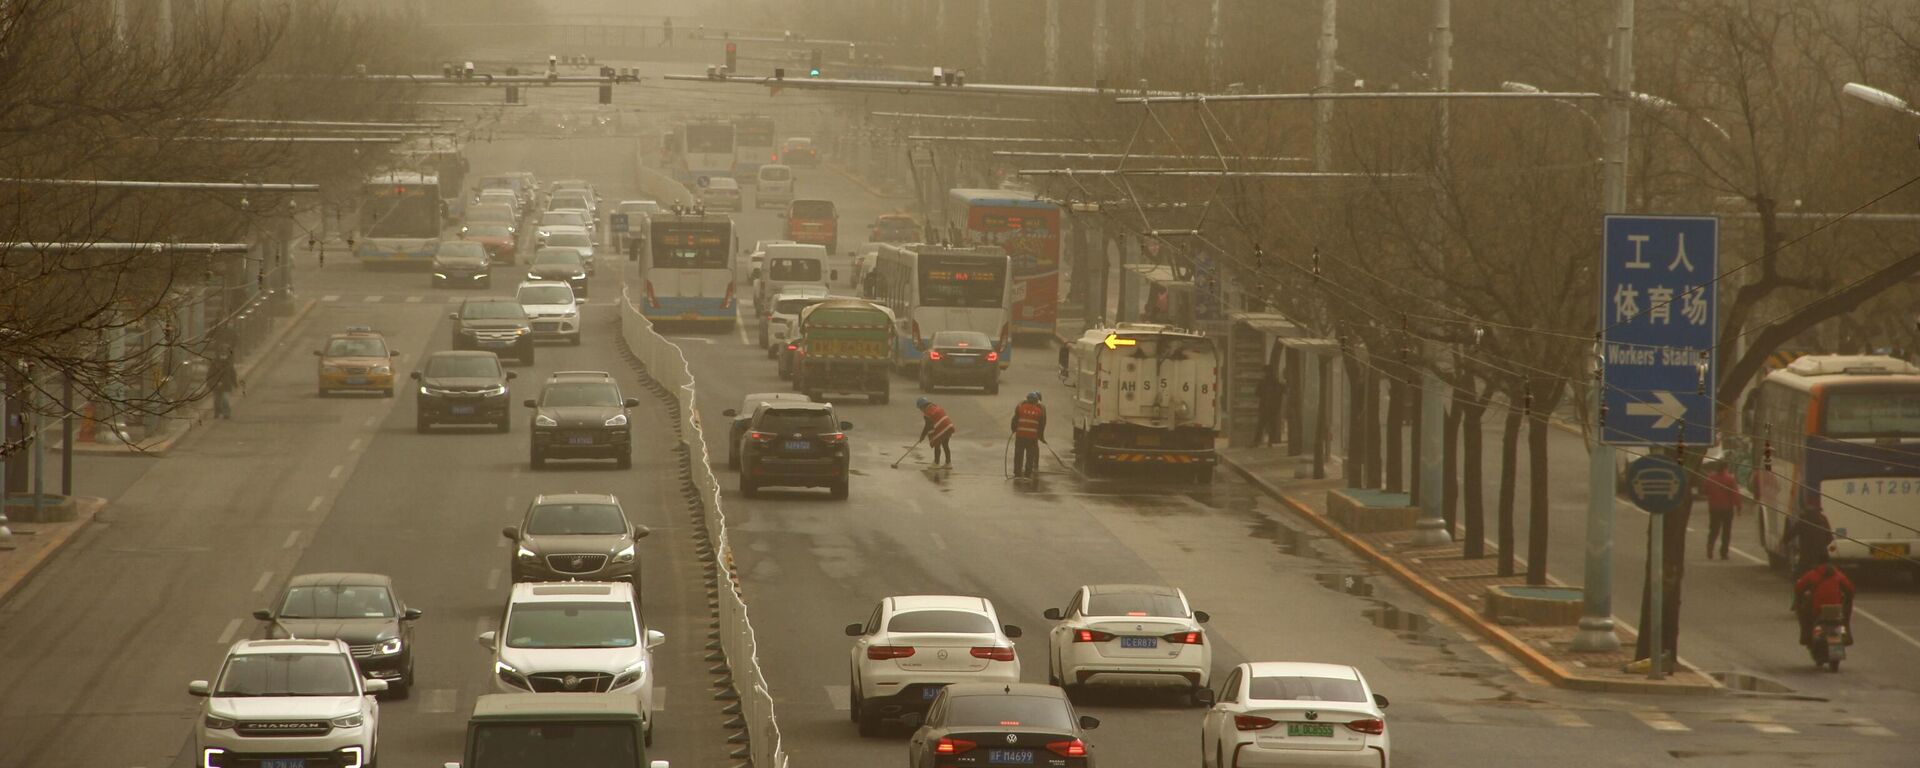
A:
(1659, 313)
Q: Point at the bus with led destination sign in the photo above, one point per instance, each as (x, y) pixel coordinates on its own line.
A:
(687, 275)
(400, 218)
(1028, 229)
(933, 288)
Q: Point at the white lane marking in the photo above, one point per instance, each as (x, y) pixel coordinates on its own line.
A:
(337, 469)
(454, 299)
(372, 299)
(1659, 721)
(913, 505)
(373, 421)
(1566, 719)
(1779, 729)
(938, 543)
(493, 578)
(508, 502)
(226, 635)
(314, 506)
(293, 537)
(353, 446)
(261, 585)
(414, 299)
(439, 700)
(659, 698)
(741, 325)
(1866, 727)
(840, 697)
(330, 297)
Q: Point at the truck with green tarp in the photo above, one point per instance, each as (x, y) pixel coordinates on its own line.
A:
(845, 346)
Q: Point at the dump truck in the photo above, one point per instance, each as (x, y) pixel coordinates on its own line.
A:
(845, 346)
(1145, 394)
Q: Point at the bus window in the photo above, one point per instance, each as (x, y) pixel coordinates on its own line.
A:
(1852, 413)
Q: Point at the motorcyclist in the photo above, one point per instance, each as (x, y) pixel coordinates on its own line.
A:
(1821, 586)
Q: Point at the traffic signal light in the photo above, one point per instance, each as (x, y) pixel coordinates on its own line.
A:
(732, 57)
(814, 70)
(606, 93)
(513, 94)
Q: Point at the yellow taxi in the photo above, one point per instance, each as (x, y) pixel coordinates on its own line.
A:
(356, 361)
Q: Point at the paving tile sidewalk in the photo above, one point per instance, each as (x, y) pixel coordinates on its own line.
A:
(33, 544)
(1455, 584)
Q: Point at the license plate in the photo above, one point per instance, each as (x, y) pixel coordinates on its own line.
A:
(799, 445)
(927, 694)
(1139, 642)
(284, 762)
(1889, 551)
(1148, 439)
(965, 360)
(1324, 730)
(579, 440)
(356, 379)
(492, 343)
(1010, 756)
(462, 410)
(689, 315)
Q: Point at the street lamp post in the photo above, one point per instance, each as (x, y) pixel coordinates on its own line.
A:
(1879, 98)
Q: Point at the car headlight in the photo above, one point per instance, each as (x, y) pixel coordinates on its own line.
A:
(495, 391)
(441, 275)
(350, 721)
(522, 331)
(619, 420)
(624, 555)
(383, 369)
(216, 722)
(427, 391)
(525, 554)
(569, 314)
(389, 647)
(631, 675)
(510, 676)
(544, 420)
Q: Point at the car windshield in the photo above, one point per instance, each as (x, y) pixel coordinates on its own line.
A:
(793, 306)
(561, 219)
(1135, 604)
(577, 520)
(571, 625)
(812, 209)
(799, 270)
(963, 622)
(490, 212)
(723, 185)
(569, 201)
(799, 143)
(545, 294)
(1300, 688)
(356, 348)
(775, 174)
(488, 230)
(565, 256)
(459, 249)
(287, 674)
(492, 310)
(334, 601)
(542, 745)
(805, 421)
(463, 367)
(999, 709)
(570, 240)
(573, 394)
(962, 339)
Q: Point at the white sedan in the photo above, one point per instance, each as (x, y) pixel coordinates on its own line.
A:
(914, 645)
(1284, 713)
(1129, 634)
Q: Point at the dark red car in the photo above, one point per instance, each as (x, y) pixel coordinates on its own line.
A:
(499, 240)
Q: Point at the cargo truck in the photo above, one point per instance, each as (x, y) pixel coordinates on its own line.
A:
(846, 346)
(1145, 394)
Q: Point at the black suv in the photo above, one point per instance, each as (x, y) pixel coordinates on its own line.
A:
(794, 443)
(494, 325)
(359, 609)
(581, 415)
(462, 388)
(576, 537)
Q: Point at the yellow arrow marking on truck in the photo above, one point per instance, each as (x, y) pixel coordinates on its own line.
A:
(1114, 340)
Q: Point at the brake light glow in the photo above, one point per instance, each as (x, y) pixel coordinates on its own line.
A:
(952, 746)
(993, 652)
(993, 357)
(1251, 723)
(884, 652)
(1091, 636)
(760, 437)
(1185, 638)
(836, 438)
(1368, 725)
(652, 303)
(1068, 748)
(792, 347)
(933, 354)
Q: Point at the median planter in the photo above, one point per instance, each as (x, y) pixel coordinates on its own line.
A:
(1359, 510)
(54, 508)
(1534, 606)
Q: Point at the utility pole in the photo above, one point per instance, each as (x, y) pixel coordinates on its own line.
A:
(1596, 620)
(1323, 110)
(940, 51)
(1139, 38)
(985, 33)
(1216, 45)
(1443, 68)
(1053, 42)
(1099, 40)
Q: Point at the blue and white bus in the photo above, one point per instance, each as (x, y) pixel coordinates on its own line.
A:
(688, 275)
(1844, 432)
(753, 145)
(705, 151)
(934, 288)
(400, 218)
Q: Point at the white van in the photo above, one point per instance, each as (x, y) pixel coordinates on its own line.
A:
(773, 185)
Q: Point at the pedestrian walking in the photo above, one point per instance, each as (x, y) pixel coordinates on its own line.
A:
(1723, 499)
(1029, 431)
(1269, 395)
(1065, 351)
(937, 431)
(222, 380)
(666, 27)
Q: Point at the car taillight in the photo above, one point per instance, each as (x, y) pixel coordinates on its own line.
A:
(884, 652)
(993, 357)
(916, 334)
(1251, 723)
(1368, 725)
(993, 652)
(727, 303)
(947, 746)
(792, 347)
(933, 354)
(759, 437)
(836, 438)
(1091, 636)
(652, 303)
(1185, 638)
(1068, 748)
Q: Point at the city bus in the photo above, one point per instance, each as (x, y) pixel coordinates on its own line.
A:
(705, 150)
(688, 274)
(1844, 434)
(441, 157)
(753, 145)
(1028, 229)
(934, 288)
(400, 218)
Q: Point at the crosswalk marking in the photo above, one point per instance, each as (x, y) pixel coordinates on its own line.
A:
(1765, 723)
(414, 299)
(438, 700)
(330, 297)
(1659, 721)
(1567, 719)
(841, 699)
(1866, 727)
(373, 299)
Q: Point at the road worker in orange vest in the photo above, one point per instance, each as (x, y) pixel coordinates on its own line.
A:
(1029, 431)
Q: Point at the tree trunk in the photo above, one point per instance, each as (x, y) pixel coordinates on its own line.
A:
(1354, 469)
(1416, 403)
(1396, 417)
(1509, 478)
(1372, 416)
(1472, 411)
(1537, 525)
(1450, 465)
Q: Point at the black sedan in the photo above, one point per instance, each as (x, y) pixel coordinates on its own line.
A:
(960, 359)
(360, 609)
(462, 388)
(993, 724)
(562, 264)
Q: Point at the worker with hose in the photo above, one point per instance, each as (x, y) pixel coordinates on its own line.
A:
(1029, 430)
(937, 430)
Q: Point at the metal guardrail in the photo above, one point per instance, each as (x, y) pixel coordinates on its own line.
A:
(667, 366)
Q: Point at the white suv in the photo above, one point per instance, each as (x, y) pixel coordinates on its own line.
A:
(288, 702)
(552, 309)
(574, 637)
(913, 645)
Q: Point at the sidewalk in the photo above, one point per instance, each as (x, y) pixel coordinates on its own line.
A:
(33, 544)
(1445, 578)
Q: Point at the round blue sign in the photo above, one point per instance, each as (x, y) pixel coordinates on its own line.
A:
(701, 182)
(1656, 484)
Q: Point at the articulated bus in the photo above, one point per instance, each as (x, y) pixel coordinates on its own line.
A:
(752, 145)
(400, 218)
(933, 288)
(1844, 433)
(1028, 229)
(688, 274)
(705, 150)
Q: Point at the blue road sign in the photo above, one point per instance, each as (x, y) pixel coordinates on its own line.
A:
(1659, 310)
(618, 222)
(702, 182)
(1656, 484)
